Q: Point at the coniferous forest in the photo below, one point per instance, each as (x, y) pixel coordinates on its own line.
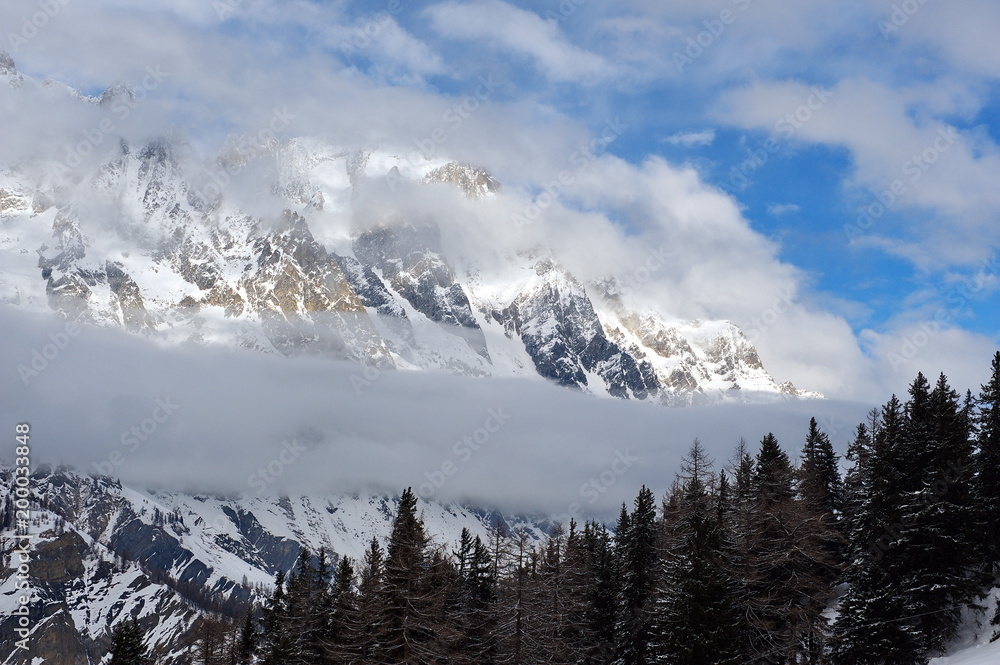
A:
(872, 560)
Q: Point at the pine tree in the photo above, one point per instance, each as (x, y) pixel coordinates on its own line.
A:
(128, 646)
(694, 612)
(248, 638)
(987, 466)
(937, 541)
(820, 484)
(278, 644)
(637, 556)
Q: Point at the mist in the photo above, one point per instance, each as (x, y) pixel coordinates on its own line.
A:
(235, 422)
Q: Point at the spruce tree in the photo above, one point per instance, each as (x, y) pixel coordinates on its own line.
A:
(370, 603)
(914, 567)
(128, 646)
(874, 625)
(637, 556)
(248, 638)
(773, 475)
(857, 483)
(987, 466)
(741, 519)
(694, 612)
(820, 484)
(601, 594)
(937, 540)
(409, 601)
(767, 576)
(278, 643)
(789, 574)
(477, 589)
(821, 510)
(344, 623)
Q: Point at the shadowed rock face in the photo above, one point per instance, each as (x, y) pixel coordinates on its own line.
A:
(59, 561)
(103, 552)
(56, 642)
(159, 249)
(410, 260)
(566, 340)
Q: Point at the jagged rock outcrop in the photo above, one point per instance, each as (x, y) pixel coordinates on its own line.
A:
(410, 259)
(102, 552)
(327, 260)
(564, 336)
(473, 181)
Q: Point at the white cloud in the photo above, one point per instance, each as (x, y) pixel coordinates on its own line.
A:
(380, 38)
(230, 413)
(781, 209)
(929, 163)
(692, 139)
(931, 346)
(520, 31)
(230, 78)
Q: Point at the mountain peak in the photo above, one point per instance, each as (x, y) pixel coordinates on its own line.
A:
(390, 293)
(7, 64)
(474, 181)
(117, 91)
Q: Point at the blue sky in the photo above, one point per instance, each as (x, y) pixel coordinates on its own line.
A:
(699, 85)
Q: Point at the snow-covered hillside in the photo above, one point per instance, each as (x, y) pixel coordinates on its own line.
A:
(102, 551)
(974, 646)
(304, 246)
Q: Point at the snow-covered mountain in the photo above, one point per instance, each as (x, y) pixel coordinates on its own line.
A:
(102, 551)
(148, 237)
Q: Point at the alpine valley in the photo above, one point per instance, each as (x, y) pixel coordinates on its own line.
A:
(292, 246)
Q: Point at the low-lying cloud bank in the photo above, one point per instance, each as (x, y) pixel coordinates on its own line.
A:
(224, 421)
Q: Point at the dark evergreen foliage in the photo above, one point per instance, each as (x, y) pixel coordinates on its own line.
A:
(128, 646)
(637, 555)
(695, 607)
(987, 466)
(738, 566)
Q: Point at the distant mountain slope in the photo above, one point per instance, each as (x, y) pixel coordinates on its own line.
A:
(102, 551)
(149, 238)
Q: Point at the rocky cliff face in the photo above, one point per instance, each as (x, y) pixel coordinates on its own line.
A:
(563, 334)
(162, 244)
(102, 552)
